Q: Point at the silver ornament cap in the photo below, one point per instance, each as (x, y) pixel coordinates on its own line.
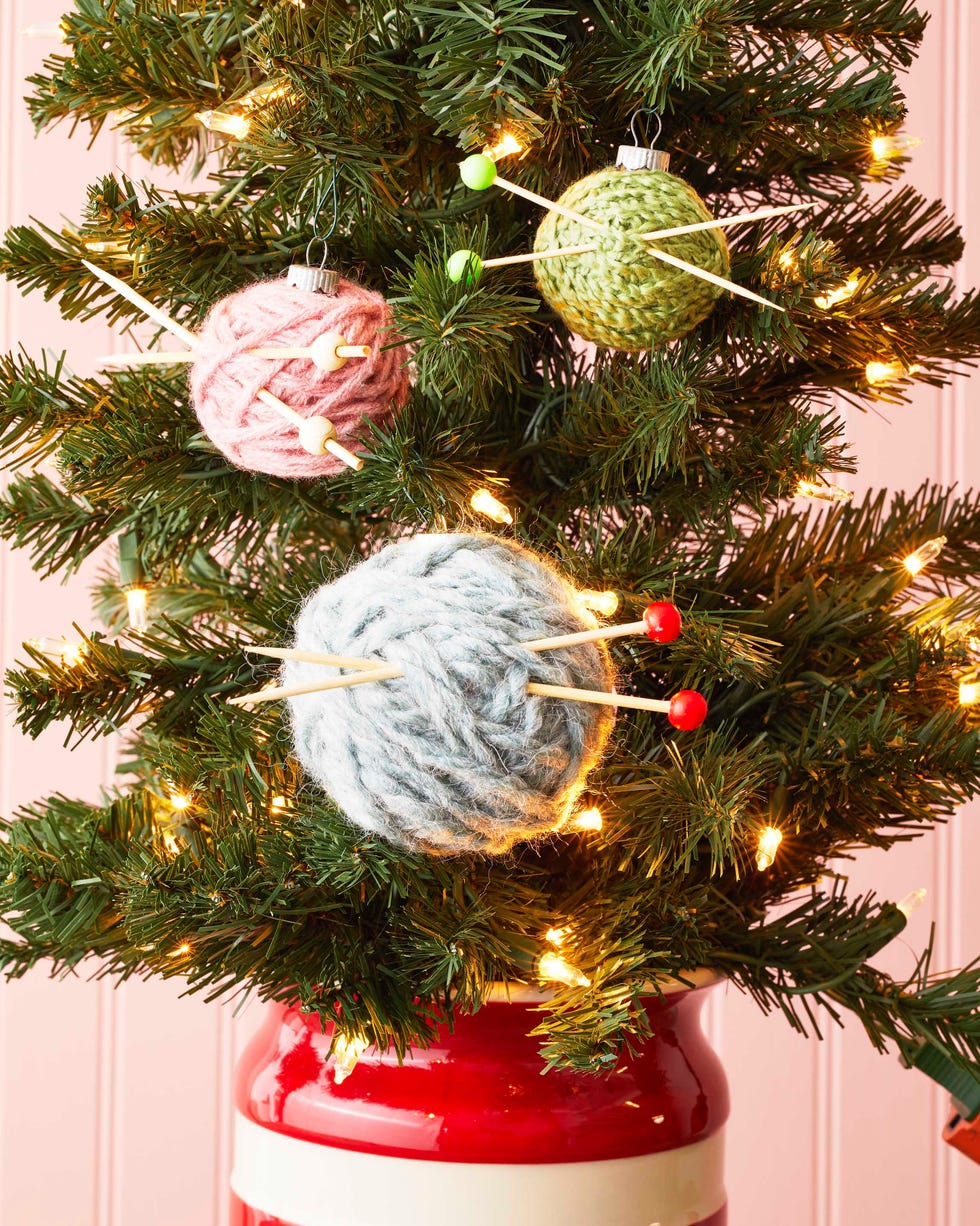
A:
(637, 157)
(313, 279)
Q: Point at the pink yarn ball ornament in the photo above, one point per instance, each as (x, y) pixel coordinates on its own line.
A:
(225, 378)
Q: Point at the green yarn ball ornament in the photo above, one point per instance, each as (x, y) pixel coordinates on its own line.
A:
(619, 296)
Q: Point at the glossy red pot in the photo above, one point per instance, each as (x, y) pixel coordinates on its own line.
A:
(470, 1132)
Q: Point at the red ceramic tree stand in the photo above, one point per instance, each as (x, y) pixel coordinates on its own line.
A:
(469, 1131)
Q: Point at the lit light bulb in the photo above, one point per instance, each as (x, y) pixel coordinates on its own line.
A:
(769, 840)
(881, 146)
(507, 143)
(888, 145)
(180, 952)
(788, 259)
(553, 968)
(57, 30)
(920, 558)
(557, 936)
(969, 692)
(603, 603)
(225, 124)
(877, 372)
(171, 843)
(180, 802)
(263, 94)
(136, 600)
(114, 247)
(823, 491)
(840, 294)
(279, 804)
(588, 819)
(486, 504)
(912, 901)
(347, 1050)
(60, 650)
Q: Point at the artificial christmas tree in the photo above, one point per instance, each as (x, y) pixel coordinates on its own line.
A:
(834, 673)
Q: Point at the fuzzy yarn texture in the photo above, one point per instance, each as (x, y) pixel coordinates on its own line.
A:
(225, 377)
(620, 296)
(455, 756)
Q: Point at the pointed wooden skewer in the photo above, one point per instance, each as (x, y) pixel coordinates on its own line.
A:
(655, 252)
(598, 696)
(314, 687)
(316, 434)
(554, 253)
(344, 351)
(587, 636)
(370, 671)
(174, 357)
(393, 671)
(528, 257)
(551, 206)
(719, 223)
(152, 312)
(575, 639)
(314, 657)
(661, 622)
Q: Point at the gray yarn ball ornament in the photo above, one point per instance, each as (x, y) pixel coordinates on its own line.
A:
(455, 756)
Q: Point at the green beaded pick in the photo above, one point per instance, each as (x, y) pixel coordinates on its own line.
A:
(464, 266)
(478, 172)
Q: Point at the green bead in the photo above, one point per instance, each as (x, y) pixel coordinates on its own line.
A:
(478, 172)
(464, 266)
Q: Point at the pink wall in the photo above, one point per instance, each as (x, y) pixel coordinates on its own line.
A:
(114, 1104)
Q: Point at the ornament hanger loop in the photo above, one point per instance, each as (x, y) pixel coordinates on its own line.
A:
(321, 235)
(646, 114)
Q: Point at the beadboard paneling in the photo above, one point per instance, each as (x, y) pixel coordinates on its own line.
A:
(114, 1105)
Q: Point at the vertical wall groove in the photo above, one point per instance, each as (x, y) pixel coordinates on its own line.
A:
(957, 154)
(9, 76)
(224, 1057)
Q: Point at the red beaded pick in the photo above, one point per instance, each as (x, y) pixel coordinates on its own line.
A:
(663, 621)
(688, 710)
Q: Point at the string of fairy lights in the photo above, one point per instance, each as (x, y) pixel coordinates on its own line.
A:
(235, 121)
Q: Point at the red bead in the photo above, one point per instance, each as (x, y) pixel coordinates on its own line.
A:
(688, 710)
(663, 621)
